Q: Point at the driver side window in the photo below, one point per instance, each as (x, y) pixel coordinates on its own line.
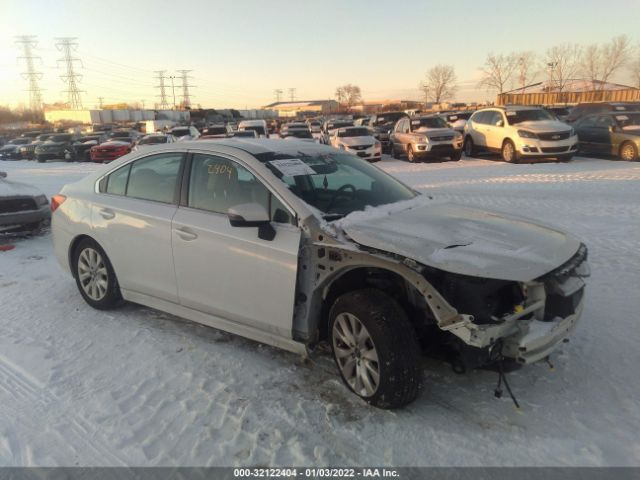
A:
(217, 184)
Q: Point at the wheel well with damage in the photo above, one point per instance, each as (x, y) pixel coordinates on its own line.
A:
(388, 282)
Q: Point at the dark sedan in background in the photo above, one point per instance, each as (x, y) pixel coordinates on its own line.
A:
(10, 152)
(58, 146)
(82, 146)
(614, 133)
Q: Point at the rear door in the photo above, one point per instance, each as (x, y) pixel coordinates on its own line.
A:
(131, 220)
(585, 128)
(228, 271)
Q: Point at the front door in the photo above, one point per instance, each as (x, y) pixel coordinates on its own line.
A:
(228, 271)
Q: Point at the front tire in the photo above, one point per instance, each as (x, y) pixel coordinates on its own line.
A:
(375, 348)
(95, 277)
(470, 149)
(456, 156)
(411, 157)
(509, 152)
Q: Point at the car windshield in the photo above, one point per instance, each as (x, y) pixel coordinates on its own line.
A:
(60, 138)
(299, 133)
(354, 132)
(390, 117)
(246, 133)
(89, 139)
(42, 138)
(628, 121)
(121, 134)
(20, 141)
(180, 132)
(257, 129)
(7, 148)
(519, 116)
(215, 130)
(428, 122)
(334, 125)
(336, 183)
(153, 139)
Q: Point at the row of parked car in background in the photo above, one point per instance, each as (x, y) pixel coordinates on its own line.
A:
(515, 132)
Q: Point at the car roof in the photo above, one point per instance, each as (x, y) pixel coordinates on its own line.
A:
(259, 145)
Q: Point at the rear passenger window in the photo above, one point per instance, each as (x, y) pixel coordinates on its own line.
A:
(117, 181)
(155, 177)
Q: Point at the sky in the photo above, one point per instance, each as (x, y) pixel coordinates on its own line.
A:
(241, 51)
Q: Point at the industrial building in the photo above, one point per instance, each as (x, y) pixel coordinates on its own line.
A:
(301, 108)
(88, 117)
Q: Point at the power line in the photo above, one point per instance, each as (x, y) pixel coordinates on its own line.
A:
(278, 93)
(35, 96)
(66, 45)
(186, 98)
(292, 93)
(164, 104)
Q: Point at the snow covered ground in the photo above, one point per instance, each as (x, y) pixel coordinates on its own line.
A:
(139, 387)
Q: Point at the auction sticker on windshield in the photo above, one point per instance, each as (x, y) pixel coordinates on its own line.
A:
(292, 167)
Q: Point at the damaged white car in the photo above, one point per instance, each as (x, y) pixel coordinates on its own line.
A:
(292, 244)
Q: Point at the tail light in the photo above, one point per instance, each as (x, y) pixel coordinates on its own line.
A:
(56, 201)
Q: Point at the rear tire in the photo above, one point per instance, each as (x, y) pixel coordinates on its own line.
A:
(375, 348)
(95, 277)
(509, 152)
(628, 152)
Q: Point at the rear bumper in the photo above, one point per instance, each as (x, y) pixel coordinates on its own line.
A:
(541, 338)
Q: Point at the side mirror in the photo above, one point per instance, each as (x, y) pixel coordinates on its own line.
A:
(500, 123)
(252, 215)
(612, 128)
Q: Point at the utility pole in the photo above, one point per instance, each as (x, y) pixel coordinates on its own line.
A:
(292, 93)
(551, 66)
(164, 104)
(27, 42)
(173, 89)
(100, 102)
(278, 93)
(66, 45)
(186, 98)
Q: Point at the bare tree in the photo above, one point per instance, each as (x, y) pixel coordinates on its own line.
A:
(348, 95)
(600, 62)
(563, 64)
(440, 83)
(497, 71)
(526, 68)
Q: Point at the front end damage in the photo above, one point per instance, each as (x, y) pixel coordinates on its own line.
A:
(482, 319)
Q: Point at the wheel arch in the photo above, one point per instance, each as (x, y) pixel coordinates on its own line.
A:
(72, 248)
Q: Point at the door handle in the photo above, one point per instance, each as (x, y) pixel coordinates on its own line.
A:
(106, 213)
(185, 234)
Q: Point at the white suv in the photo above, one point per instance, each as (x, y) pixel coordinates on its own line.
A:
(519, 132)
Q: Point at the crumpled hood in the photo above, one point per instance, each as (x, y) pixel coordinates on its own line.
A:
(544, 126)
(466, 241)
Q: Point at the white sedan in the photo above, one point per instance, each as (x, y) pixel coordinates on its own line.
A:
(358, 140)
(269, 239)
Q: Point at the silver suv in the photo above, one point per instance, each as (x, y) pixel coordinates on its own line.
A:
(518, 132)
(427, 136)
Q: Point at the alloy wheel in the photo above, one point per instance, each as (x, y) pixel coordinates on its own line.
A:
(628, 152)
(356, 354)
(92, 273)
(507, 152)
